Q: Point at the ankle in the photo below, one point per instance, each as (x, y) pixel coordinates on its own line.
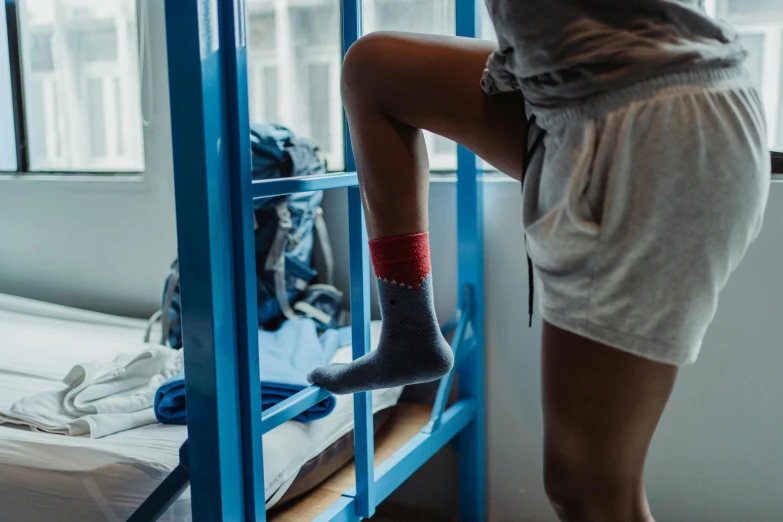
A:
(402, 260)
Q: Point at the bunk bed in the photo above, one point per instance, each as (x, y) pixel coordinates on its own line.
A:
(221, 460)
(46, 475)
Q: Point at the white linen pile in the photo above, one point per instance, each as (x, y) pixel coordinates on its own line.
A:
(100, 398)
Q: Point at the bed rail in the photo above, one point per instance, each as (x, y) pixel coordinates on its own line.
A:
(222, 458)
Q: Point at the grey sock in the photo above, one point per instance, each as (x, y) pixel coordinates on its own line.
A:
(411, 350)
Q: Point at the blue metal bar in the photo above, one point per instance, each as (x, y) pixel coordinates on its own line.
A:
(291, 407)
(467, 347)
(470, 255)
(167, 491)
(233, 40)
(163, 497)
(281, 187)
(351, 31)
(422, 447)
(405, 462)
(202, 174)
(360, 325)
(449, 327)
(400, 466)
(442, 397)
(364, 444)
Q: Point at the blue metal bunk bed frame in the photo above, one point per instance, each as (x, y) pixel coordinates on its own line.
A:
(222, 460)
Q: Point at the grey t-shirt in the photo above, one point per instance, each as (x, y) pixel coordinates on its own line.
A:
(559, 52)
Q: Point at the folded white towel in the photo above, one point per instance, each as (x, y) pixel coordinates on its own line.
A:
(100, 398)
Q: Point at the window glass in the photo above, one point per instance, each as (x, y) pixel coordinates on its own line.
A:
(80, 63)
(760, 27)
(294, 64)
(754, 6)
(294, 70)
(417, 16)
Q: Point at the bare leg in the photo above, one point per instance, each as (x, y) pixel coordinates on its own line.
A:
(394, 85)
(601, 408)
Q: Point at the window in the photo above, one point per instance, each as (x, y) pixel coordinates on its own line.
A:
(754, 7)
(760, 27)
(7, 130)
(294, 61)
(418, 16)
(294, 64)
(81, 85)
(294, 70)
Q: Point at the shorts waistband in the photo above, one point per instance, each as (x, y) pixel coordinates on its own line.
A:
(601, 104)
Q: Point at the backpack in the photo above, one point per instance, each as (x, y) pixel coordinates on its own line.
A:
(285, 230)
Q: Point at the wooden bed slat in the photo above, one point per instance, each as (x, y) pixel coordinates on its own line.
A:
(407, 421)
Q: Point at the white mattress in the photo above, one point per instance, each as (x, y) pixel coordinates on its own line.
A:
(45, 477)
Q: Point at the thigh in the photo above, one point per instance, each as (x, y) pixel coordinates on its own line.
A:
(433, 83)
(601, 408)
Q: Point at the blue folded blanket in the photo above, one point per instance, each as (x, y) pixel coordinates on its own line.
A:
(286, 357)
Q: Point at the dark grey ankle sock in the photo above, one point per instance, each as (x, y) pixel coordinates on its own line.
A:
(412, 349)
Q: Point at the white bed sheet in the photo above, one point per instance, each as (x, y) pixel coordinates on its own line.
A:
(45, 477)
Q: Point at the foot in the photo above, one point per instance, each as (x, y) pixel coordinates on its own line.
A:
(411, 350)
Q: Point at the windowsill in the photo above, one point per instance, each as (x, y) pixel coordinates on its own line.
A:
(489, 176)
(136, 182)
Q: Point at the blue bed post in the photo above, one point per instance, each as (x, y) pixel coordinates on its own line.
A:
(206, 56)
(233, 39)
(470, 246)
(364, 442)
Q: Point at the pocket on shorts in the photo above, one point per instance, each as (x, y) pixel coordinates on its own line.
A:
(563, 199)
(588, 194)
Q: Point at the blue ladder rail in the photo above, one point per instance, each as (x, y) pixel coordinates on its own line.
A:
(222, 459)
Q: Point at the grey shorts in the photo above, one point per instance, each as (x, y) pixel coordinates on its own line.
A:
(641, 204)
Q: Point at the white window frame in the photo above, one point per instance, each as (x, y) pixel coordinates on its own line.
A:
(106, 74)
(324, 55)
(69, 128)
(55, 135)
(256, 66)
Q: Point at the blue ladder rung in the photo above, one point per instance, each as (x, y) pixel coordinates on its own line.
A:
(420, 449)
(270, 188)
(291, 407)
(460, 344)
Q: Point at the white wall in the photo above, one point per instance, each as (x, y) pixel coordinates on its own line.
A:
(100, 244)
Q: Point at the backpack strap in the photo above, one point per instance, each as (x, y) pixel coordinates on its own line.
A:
(165, 322)
(150, 323)
(326, 245)
(275, 260)
(163, 313)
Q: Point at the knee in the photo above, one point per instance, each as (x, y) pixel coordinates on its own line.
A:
(580, 494)
(565, 491)
(366, 66)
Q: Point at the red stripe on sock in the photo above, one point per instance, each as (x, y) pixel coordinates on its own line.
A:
(404, 260)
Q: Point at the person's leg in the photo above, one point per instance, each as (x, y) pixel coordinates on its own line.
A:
(393, 86)
(601, 408)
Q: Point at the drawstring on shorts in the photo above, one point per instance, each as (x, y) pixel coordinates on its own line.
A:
(530, 153)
